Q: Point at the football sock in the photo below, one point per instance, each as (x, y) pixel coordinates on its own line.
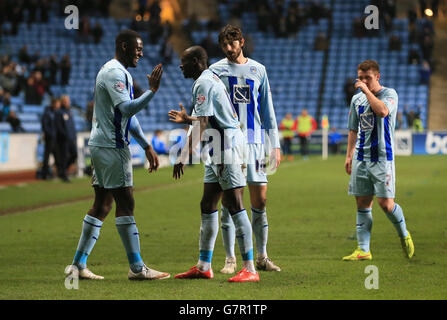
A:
(244, 238)
(396, 216)
(208, 234)
(363, 228)
(228, 232)
(128, 231)
(90, 233)
(260, 229)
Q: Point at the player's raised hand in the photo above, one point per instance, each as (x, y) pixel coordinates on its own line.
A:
(361, 85)
(178, 116)
(178, 171)
(152, 157)
(155, 78)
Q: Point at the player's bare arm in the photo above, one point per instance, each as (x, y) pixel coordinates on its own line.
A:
(152, 157)
(352, 137)
(200, 123)
(377, 105)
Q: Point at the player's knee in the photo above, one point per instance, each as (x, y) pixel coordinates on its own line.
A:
(259, 203)
(207, 207)
(387, 205)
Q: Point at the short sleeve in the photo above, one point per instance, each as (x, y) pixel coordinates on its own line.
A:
(353, 122)
(115, 83)
(203, 99)
(390, 99)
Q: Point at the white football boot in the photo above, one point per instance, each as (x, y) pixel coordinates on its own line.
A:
(147, 274)
(264, 263)
(82, 274)
(230, 265)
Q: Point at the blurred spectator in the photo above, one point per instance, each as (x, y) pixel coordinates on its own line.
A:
(97, 33)
(8, 77)
(359, 28)
(425, 73)
(292, 20)
(412, 32)
(65, 66)
(66, 136)
(155, 26)
(35, 88)
(84, 32)
(349, 90)
(394, 43)
(31, 6)
(321, 42)
(6, 102)
(263, 15)
(158, 145)
(24, 56)
(305, 124)
(411, 115)
(414, 57)
(287, 127)
(417, 124)
(427, 47)
(14, 121)
(50, 135)
(44, 6)
(334, 141)
(211, 46)
(248, 46)
(192, 24)
(399, 121)
(166, 52)
(53, 69)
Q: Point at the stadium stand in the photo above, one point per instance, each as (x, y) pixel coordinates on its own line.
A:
(300, 76)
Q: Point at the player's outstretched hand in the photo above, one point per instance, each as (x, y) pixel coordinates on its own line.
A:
(178, 171)
(178, 116)
(152, 157)
(155, 78)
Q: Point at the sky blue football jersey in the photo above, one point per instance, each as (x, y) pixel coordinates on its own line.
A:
(375, 135)
(249, 90)
(210, 99)
(110, 128)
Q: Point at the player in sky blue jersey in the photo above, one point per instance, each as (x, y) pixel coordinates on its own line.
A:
(247, 82)
(213, 113)
(370, 158)
(113, 118)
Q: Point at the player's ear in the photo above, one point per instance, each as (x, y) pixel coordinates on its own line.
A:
(124, 46)
(242, 42)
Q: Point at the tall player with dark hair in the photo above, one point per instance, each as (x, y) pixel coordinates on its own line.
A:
(113, 114)
(370, 158)
(247, 82)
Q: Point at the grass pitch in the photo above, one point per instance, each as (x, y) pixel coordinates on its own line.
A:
(311, 226)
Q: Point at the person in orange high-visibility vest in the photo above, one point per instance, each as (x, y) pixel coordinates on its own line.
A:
(287, 127)
(305, 124)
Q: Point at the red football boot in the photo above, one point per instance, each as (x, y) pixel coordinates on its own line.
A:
(195, 273)
(244, 276)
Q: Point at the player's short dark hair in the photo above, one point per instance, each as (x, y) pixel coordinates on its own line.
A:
(125, 36)
(369, 65)
(230, 33)
(199, 53)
